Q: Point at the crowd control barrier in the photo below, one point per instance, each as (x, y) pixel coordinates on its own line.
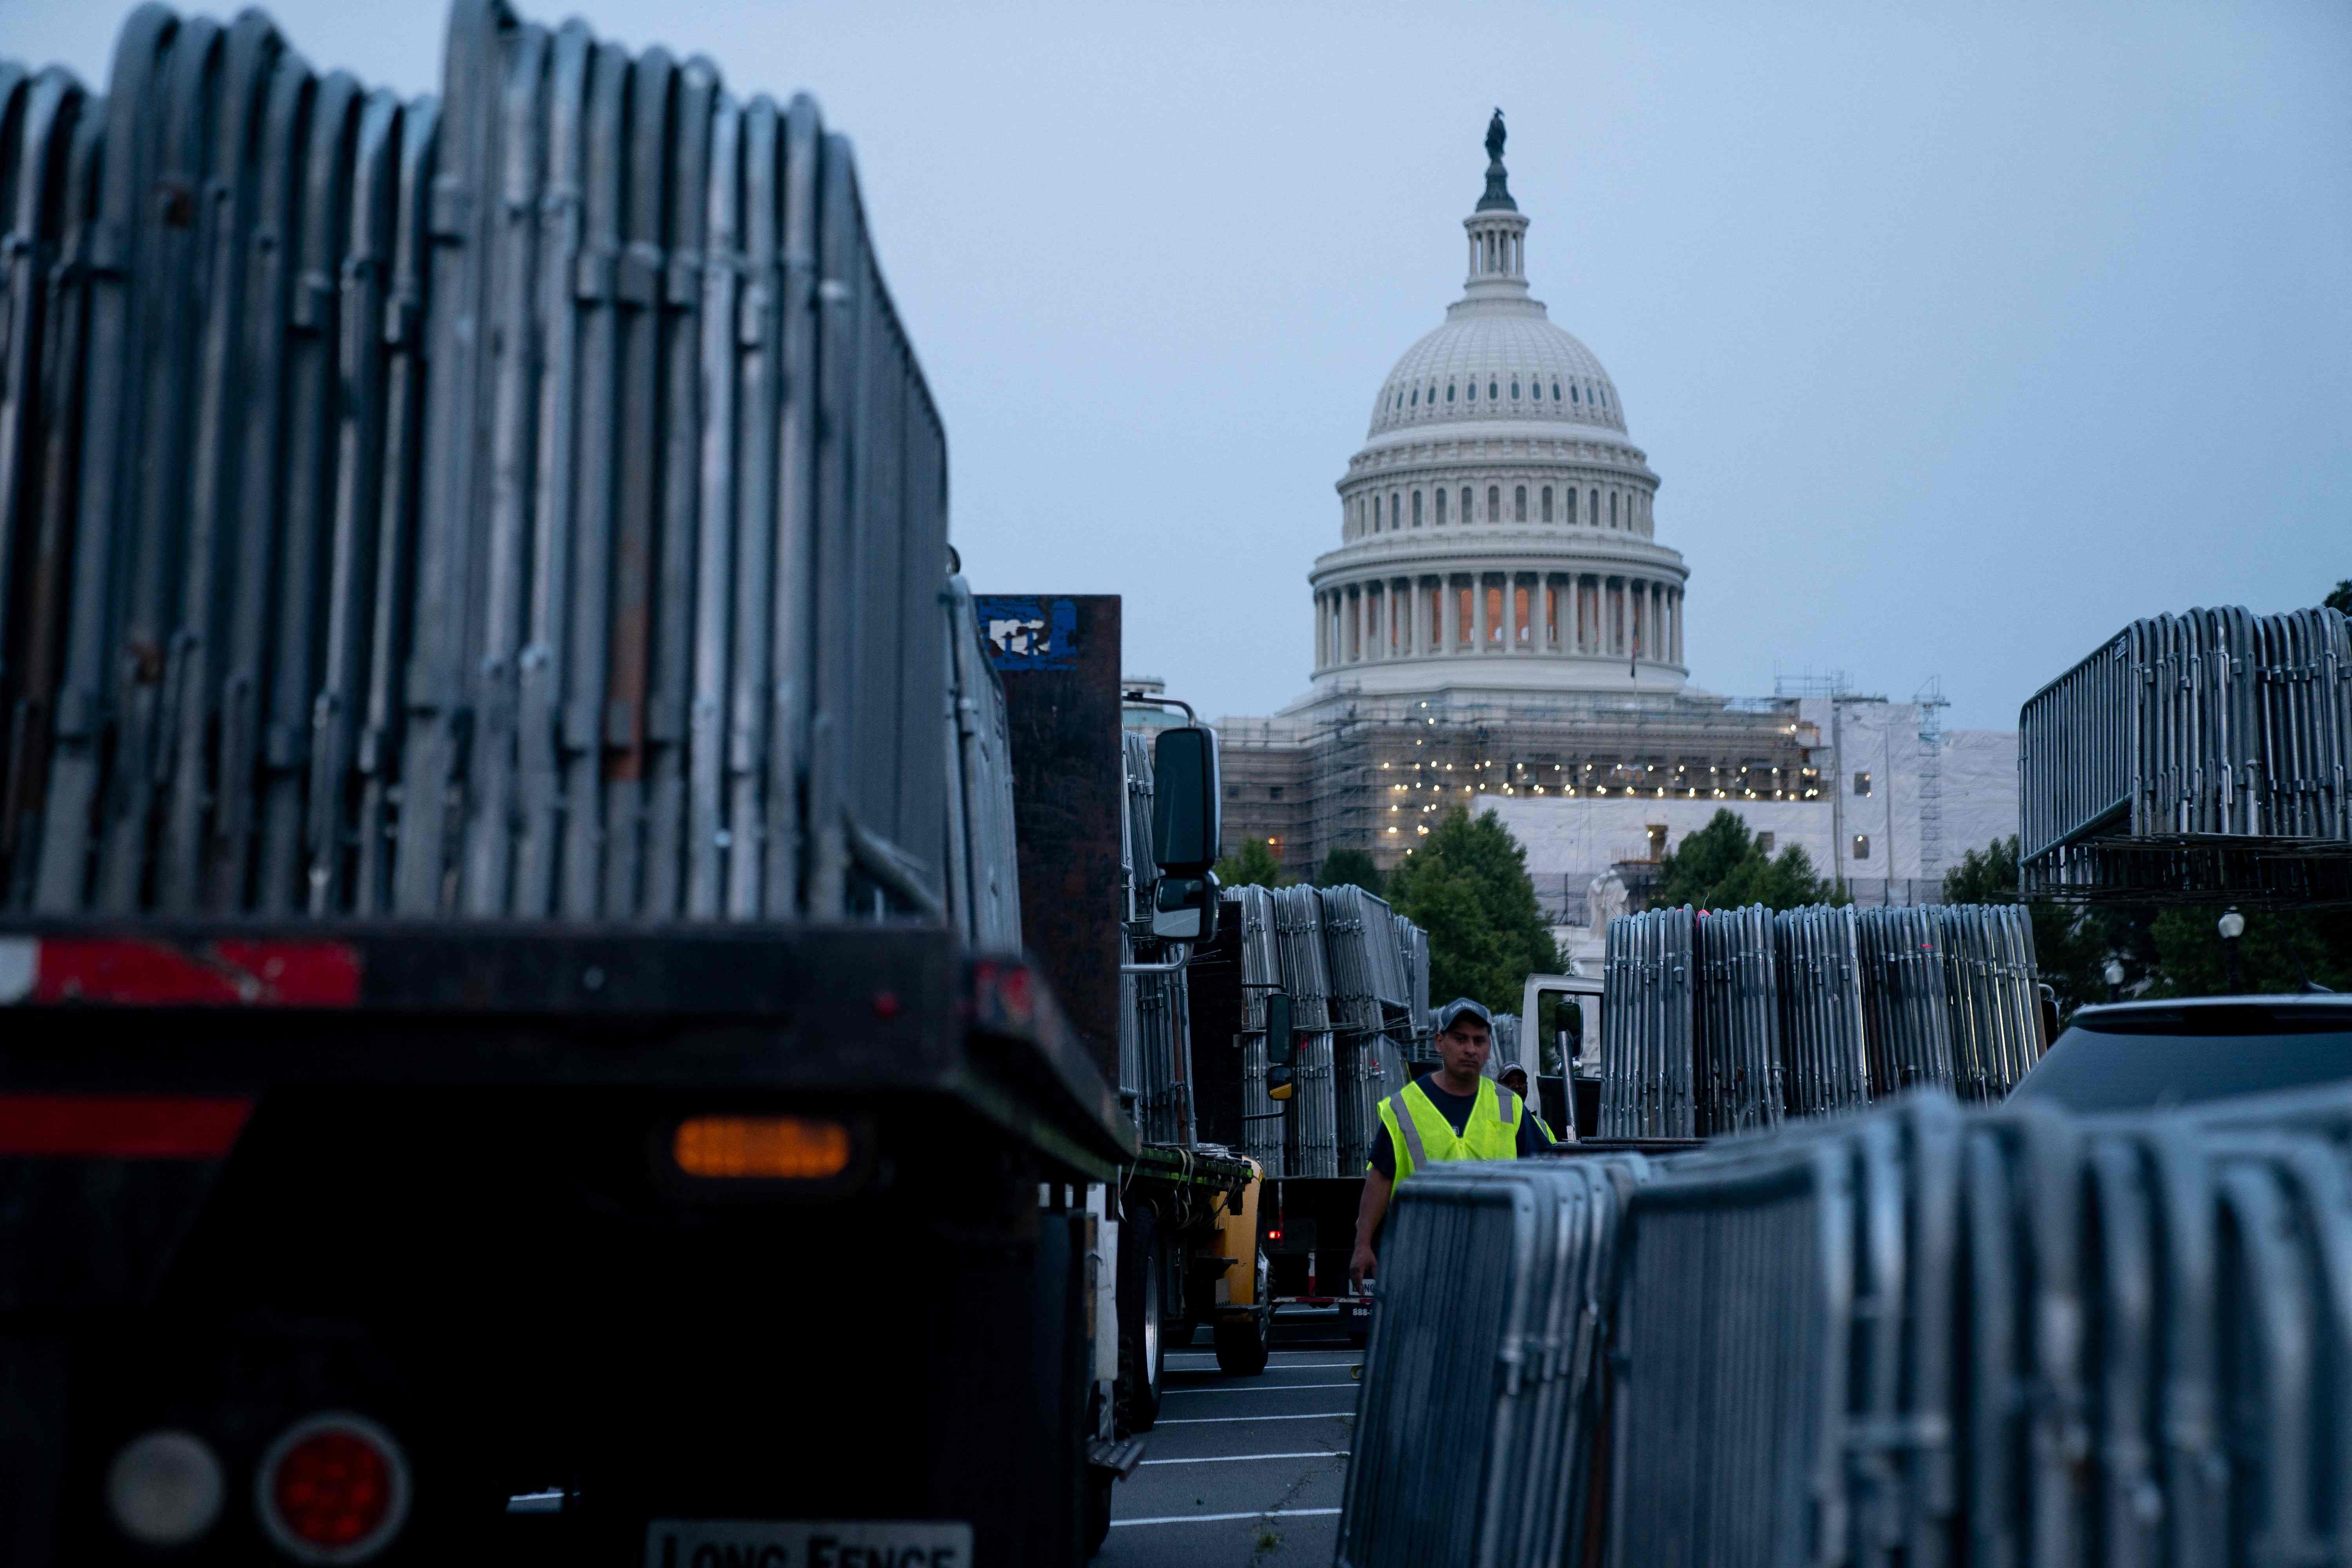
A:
(1725, 1020)
(1476, 1420)
(2196, 758)
(1155, 1027)
(1916, 1334)
(517, 502)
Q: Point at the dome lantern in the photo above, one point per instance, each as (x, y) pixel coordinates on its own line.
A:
(1498, 255)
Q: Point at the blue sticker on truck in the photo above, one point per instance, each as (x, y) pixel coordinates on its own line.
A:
(1025, 632)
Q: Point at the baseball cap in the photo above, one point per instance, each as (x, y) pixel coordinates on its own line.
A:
(1459, 1006)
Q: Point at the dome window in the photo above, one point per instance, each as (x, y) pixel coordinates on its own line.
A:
(1519, 504)
(1547, 503)
(1515, 390)
(1432, 395)
(1494, 503)
(1449, 392)
(1439, 498)
(1415, 399)
(1555, 392)
(1572, 393)
(1493, 392)
(1474, 392)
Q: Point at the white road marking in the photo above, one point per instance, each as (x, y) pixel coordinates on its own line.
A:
(1230, 1459)
(1281, 1365)
(1208, 1420)
(1253, 1388)
(1213, 1518)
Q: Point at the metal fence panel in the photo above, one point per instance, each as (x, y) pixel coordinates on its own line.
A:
(525, 502)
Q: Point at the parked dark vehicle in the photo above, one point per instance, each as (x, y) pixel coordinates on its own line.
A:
(2135, 1056)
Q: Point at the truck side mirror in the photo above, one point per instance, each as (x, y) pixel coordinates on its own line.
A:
(1281, 1050)
(1185, 801)
(1185, 908)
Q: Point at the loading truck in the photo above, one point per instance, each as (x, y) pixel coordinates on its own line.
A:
(525, 1024)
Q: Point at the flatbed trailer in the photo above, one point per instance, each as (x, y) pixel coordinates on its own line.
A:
(587, 1218)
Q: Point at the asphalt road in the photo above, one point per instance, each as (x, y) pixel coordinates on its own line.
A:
(1240, 1471)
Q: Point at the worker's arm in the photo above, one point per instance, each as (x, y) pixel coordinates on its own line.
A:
(1369, 1213)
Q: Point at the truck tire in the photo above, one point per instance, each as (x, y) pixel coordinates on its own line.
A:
(1098, 1484)
(1242, 1345)
(1142, 1337)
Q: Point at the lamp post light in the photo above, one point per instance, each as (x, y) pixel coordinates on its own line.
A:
(2114, 976)
(2232, 925)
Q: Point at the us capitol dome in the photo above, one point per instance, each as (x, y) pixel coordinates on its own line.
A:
(1499, 629)
(1497, 527)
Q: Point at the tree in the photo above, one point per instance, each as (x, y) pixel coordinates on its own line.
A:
(1468, 886)
(1724, 867)
(2340, 597)
(1342, 868)
(2071, 944)
(2283, 950)
(1253, 864)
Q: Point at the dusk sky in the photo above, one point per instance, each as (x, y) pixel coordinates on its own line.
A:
(1959, 337)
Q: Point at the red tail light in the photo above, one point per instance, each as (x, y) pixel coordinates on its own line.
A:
(122, 1126)
(333, 1489)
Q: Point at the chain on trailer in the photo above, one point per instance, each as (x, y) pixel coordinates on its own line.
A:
(2204, 757)
(1810, 1011)
(322, 587)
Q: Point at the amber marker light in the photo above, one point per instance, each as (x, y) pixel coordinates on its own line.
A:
(760, 1148)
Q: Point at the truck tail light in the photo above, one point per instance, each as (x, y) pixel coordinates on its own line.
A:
(122, 1126)
(333, 1489)
(164, 1488)
(762, 1148)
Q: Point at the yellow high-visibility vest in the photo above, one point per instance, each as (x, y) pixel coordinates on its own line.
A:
(1420, 1134)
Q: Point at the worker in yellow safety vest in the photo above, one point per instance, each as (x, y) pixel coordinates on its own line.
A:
(1454, 1113)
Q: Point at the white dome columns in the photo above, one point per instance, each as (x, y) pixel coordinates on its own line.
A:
(1498, 256)
(1530, 610)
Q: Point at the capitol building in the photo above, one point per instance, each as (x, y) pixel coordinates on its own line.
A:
(1500, 619)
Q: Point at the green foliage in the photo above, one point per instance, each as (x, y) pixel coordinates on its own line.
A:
(2283, 950)
(2340, 597)
(2168, 952)
(1255, 865)
(1468, 886)
(1723, 867)
(2070, 945)
(1343, 867)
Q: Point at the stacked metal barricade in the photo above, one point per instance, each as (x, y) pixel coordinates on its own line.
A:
(2203, 757)
(1808, 1011)
(1919, 1334)
(522, 502)
(1817, 960)
(2171, 1294)
(1370, 1005)
(1264, 1121)
(1155, 1025)
(1736, 1037)
(1993, 995)
(1646, 1089)
(1481, 1402)
(1306, 974)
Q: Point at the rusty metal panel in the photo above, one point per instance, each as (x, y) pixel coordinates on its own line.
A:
(1058, 656)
